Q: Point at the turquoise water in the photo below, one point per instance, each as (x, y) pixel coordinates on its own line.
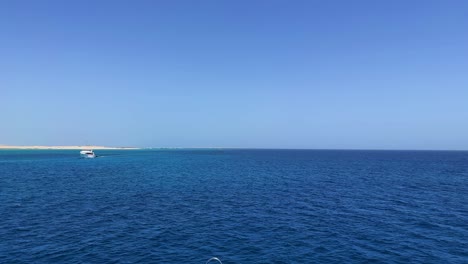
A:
(243, 206)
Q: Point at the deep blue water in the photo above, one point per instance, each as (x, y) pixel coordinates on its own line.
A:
(243, 206)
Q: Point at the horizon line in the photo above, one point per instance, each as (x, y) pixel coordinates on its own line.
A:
(103, 147)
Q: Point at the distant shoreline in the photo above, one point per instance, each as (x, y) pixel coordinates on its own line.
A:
(64, 147)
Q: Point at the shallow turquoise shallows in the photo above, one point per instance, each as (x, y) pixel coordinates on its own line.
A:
(242, 206)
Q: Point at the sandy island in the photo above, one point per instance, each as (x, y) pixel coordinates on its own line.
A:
(62, 147)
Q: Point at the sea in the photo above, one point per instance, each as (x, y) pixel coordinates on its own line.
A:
(239, 205)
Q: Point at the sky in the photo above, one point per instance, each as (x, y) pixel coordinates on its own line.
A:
(242, 74)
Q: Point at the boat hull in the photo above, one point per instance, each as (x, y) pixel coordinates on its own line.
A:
(89, 154)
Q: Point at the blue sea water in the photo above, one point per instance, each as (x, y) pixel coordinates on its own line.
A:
(242, 206)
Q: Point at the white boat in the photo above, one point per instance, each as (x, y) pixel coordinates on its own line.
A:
(87, 154)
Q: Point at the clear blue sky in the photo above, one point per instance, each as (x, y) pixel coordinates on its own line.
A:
(268, 74)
